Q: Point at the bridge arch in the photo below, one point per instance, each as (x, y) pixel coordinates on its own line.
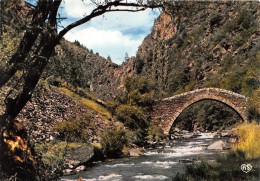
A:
(226, 104)
(167, 110)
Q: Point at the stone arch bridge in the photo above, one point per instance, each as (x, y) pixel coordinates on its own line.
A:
(166, 111)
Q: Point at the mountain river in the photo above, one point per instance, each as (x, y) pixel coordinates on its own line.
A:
(155, 164)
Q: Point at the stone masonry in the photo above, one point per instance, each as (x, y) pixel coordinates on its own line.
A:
(166, 111)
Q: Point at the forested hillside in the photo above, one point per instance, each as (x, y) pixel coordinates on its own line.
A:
(207, 44)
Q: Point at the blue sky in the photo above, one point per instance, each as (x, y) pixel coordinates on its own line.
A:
(113, 34)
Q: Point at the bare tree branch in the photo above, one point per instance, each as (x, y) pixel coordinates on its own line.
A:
(101, 9)
(53, 13)
(126, 10)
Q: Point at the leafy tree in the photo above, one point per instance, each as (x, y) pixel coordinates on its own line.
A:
(139, 64)
(138, 91)
(126, 56)
(40, 37)
(77, 43)
(132, 116)
(108, 57)
(177, 80)
(155, 133)
(133, 111)
(112, 142)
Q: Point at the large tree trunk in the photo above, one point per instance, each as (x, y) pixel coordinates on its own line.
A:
(39, 41)
(35, 28)
(17, 60)
(15, 105)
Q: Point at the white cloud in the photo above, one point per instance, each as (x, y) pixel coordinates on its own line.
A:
(125, 20)
(112, 34)
(112, 43)
(76, 8)
(79, 8)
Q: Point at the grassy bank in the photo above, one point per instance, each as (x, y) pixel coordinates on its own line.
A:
(228, 166)
(248, 140)
(86, 102)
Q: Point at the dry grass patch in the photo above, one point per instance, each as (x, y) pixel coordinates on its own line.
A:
(86, 102)
(249, 140)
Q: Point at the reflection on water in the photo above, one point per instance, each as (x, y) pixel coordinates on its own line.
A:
(157, 164)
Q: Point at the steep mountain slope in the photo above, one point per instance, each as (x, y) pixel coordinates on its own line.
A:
(80, 67)
(51, 106)
(206, 44)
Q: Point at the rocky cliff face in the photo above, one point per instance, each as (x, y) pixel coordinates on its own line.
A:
(206, 44)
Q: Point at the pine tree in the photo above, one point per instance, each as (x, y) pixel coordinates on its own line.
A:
(126, 56)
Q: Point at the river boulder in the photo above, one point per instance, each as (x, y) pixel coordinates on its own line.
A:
(80, 168)
(79, 155)
(136, 152)
(69, 171)
(218, 145)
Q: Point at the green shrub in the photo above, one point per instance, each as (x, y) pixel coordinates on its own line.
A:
(137, 137)
(254, 106)
(136, 98)
(234, 79)
(226, 63)
(112, 142)
(138, 91)
(75, 130)
(215, 19)
(111, 106)
(155, 133)
(249, 85)
(229, 26)
(131, 116)
(146, 99)
(133, 109)
(137, 83)
(244, 19)
(226, 167)
(238, 41)
(190, 86)
(55, 153)
(139, 64)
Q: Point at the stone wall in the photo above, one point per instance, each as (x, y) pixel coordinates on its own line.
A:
(166, 111)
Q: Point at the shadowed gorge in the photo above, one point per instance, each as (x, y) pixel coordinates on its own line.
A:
(207, 115)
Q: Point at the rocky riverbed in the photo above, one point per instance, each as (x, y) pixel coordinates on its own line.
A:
(180, 134)
(217, 141)
(159, 161)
